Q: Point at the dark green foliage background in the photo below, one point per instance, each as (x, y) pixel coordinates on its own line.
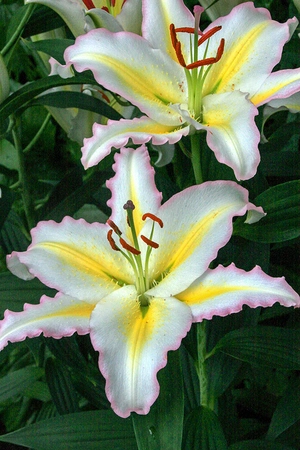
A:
(51, 392)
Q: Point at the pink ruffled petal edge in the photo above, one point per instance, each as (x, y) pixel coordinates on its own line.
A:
(225, 290)
(54, 317)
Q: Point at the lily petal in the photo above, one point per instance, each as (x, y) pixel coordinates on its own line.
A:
(231, 132)
(73, 257)
(117, 134)
(292, 103)
(225, 290)
(134, 180)
(133, 345)
(150, 81)
(130, 16)
(279, 85)
(246, 49)
(203, 224)
(103, 19)
(54, 317)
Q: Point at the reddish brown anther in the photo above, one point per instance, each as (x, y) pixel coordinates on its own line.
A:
(111, 241)
(185, 30)
(154, 218)
(89, 4)
(114, 227)
(220, 50)
(149, 242)
(177, 45)
(203, 62)
(209, 34)
(209, 61)
(129, 247)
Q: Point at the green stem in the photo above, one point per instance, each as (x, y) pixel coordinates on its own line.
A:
(38, 134)
(18, 30)
(205, 398)
(23, 181)
(196, 157)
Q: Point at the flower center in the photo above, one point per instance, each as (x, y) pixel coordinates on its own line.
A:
(197, 69)
(132, 252)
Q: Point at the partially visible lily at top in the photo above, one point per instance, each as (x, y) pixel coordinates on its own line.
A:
(137, 283)
(185, 81)
(83, 15)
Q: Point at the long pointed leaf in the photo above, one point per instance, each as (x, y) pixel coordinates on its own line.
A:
(22, 96)
(91, 430)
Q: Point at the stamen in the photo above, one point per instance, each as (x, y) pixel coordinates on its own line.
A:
(185, 30)
(129, 247)
(220, 50)
(154, 218)
(89, 4)
(111, 241)
(209, 61)
(209, 34)
(104, 96)
(177, 45)
(149, 242)
(114, 227)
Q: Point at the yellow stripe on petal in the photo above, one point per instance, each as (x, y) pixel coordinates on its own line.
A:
(139, 325)
(234, 62)
(87, 265)
(202, 293)
(191, 239)
(77, 310)
(282, 84)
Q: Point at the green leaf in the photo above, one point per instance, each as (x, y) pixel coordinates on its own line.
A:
(162, 427)
(259, 445)
(282, 222)
(38, 390)
(287, 412)
(42, 20)
(6, 200)
(15, 292)
(68, 197)
(13, 233)
(91, 430)
(52, 47)
(61, 387)
(264, 346)
(16, 382)
(67, 99)
(203, 431)
(8, 155)
(22, 96)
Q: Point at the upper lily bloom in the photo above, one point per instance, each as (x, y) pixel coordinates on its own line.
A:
(138, 282)
(185, 81)
(83, 15)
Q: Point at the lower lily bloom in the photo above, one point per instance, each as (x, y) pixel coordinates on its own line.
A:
(138, 282)
(185, 81)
